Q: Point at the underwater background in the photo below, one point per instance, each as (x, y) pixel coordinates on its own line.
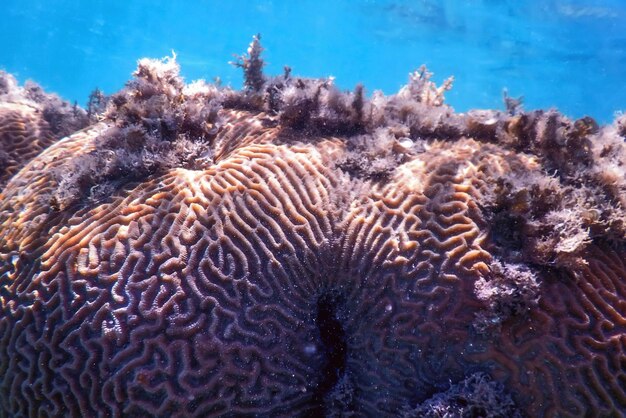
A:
(556, 53)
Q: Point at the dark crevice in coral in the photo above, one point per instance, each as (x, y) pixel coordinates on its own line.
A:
(341, 401)
(507, 231)
(334, 349)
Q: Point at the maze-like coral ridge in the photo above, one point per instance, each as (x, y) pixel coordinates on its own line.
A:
(275, 279)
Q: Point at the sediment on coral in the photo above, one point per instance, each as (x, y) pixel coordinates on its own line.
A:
(292, 249)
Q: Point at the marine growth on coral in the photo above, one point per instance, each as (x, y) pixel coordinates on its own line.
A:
(293, 250)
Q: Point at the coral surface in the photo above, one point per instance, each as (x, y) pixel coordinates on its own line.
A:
(294, 250)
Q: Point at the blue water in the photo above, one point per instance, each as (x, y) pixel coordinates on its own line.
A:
(556, 53)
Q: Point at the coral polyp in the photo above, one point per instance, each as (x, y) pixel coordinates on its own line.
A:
(294, 250)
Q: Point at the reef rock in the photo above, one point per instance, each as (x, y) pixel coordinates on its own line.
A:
(292, 250)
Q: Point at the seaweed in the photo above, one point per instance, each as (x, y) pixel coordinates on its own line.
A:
(509, 290)
(96, 104)
(475, 396)
(158, 123)
(252, 65)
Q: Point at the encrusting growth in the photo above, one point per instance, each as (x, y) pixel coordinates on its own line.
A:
(292, 249)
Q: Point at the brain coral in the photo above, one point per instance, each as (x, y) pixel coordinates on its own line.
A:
(291, 250)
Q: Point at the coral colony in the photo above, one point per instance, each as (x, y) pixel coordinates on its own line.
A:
(189, 250)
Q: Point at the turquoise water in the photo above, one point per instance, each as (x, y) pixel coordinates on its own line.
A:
(565, 54)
